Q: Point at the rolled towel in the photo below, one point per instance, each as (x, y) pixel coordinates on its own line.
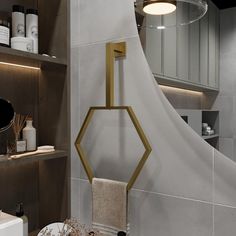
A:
(109, 206)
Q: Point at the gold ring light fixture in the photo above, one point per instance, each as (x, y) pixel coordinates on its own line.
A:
(162, 14)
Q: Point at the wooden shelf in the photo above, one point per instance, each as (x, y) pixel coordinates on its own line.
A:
(10, 55)
(29, 159)
(210, 136)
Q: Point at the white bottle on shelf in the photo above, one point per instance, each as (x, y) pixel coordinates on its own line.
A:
(18, 21)
(29, 134)
(32, 27)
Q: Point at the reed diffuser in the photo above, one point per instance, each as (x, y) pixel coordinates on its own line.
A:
(18, 125)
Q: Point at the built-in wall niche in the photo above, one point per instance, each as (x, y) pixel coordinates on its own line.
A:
(183, 98)
(41, 182)
(195, 119)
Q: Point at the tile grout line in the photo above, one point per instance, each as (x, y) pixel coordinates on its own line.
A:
(76, 45)
(173, 196)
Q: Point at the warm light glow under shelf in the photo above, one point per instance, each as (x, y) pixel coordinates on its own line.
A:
(19, 65)
(174, 89)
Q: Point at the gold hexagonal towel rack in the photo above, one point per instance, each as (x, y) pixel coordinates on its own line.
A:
(113, 50)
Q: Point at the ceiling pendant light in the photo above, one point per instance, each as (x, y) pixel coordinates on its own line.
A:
(159, 7)
(162, 14)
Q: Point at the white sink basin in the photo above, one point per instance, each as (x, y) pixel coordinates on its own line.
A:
(10, 225)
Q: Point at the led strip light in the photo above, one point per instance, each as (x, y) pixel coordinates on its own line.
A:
(180, 89)
(20, 66)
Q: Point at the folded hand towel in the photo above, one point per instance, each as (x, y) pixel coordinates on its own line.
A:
(109, 206)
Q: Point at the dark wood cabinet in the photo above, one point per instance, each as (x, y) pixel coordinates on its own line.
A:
(40, 182)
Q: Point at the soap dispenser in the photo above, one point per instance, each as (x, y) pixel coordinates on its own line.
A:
(20, 213)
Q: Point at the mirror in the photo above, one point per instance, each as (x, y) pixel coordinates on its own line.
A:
(6, 120)
(195, 66)
(6, 115)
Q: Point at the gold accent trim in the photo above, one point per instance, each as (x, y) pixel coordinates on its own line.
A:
(113, 51)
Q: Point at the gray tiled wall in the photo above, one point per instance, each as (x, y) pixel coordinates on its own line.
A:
(186, 188)
(226, 101)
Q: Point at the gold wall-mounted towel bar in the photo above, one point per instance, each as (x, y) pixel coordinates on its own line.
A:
(113, 51)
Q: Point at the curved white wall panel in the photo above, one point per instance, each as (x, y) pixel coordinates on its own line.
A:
(184, 182)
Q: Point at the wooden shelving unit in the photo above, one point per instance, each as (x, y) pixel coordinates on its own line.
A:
(40, 182)
(29, 59)
(4, 160)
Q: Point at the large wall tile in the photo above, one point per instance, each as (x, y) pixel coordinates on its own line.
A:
(153, 215)
(227, 32)
(227, 74)
(225, 104)
(104, 20)
(85, 199)
(74, 22)
(81, 201)
(75, 198)
(224, 221)
(226, 146)
(225, 184)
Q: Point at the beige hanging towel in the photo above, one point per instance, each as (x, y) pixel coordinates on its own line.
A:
(109, 206)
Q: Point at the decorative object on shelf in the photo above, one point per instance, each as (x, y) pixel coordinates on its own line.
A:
(207, 130)
(29, 134)
(22, 44)
(18, 125)
(71, 227)
(4, 33)
(187, 12)
(18, 21)
(40, 150)
(159, 7)
(6, 120)
(32, 27)
(6, 115)
(113, 51)
(21, 214)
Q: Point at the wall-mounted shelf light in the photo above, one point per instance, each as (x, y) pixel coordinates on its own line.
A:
(19, 65)
(180, 90)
